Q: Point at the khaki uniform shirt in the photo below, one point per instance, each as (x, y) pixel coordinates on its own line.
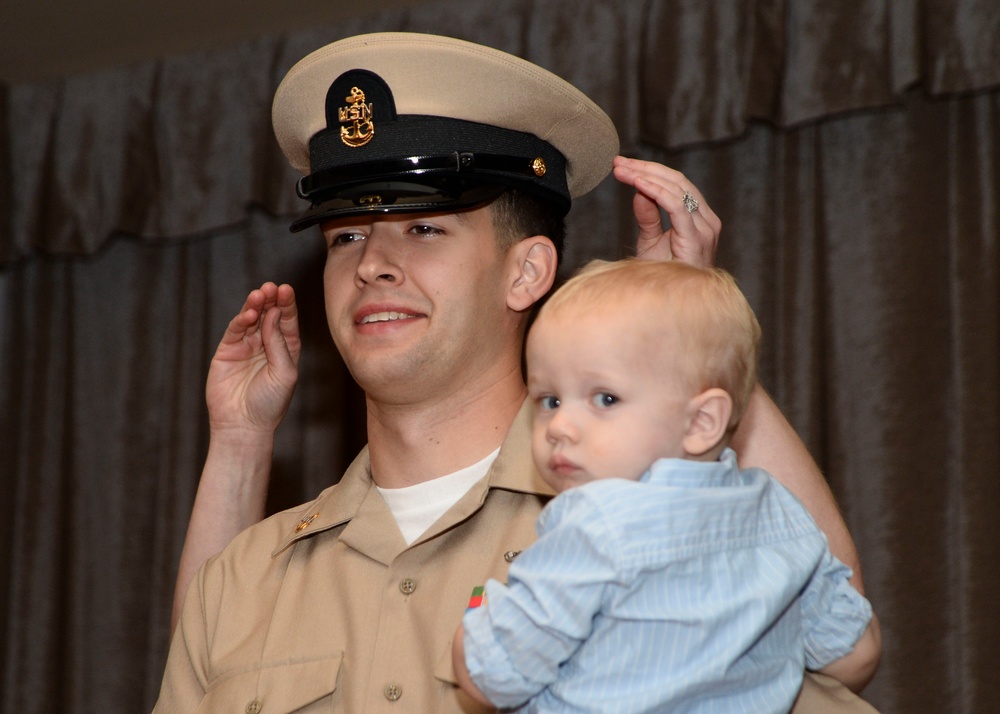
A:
(324, 608)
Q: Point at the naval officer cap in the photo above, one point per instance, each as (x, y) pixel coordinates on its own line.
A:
(402, 122)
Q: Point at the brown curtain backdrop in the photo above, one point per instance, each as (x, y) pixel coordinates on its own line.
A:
(852, 150)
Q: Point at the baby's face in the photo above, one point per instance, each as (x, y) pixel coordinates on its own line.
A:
(605, 405)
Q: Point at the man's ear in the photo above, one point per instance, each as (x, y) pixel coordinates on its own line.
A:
(708, 419)
(533, 265)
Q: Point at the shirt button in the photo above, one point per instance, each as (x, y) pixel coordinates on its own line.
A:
(393, 692)
(407, 586)
(510, 555)
(253, 707)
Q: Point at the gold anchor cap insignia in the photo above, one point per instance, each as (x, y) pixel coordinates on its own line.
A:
(356, 119)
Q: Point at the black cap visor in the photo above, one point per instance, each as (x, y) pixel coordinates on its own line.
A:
(397, 197)
(452, 182)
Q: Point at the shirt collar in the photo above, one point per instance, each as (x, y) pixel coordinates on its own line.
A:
(513, 470)
(689, 473)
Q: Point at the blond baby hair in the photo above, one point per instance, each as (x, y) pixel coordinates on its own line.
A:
(701, 310)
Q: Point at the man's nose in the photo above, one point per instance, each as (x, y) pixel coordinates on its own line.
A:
(378, 262)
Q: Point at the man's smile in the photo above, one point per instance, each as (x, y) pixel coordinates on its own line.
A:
(385, 316)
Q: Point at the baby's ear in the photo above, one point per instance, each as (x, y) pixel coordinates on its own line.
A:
(532, 264)
(708, 415)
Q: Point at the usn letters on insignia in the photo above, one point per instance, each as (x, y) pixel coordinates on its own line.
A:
(357, 118)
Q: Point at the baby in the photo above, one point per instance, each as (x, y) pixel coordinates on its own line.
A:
(664, 577)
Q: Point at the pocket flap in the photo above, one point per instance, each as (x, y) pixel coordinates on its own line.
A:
(277, 688)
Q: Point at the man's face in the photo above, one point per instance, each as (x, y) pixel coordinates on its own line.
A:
(416, 303)
(605, 405)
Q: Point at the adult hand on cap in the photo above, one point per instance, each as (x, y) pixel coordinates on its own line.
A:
(693, 236)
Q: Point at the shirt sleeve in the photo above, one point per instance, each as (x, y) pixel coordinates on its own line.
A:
(184, 680)
(515, 644)
(834, 614)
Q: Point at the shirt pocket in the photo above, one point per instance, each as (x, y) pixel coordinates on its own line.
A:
(276, 689)
(443, 669)
(445, 672)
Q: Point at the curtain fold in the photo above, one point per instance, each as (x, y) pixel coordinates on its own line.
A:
(175, 147)
(853, 155)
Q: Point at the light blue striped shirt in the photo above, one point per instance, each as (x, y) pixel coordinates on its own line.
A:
(700, 588)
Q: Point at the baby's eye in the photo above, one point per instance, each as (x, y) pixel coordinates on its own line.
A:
(605, 400)
(548, 402)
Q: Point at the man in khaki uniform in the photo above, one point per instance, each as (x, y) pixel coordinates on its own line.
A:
(440, 172)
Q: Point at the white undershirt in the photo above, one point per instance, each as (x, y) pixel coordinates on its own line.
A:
(417, 507)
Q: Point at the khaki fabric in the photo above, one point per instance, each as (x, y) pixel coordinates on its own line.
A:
(825, 695)
(341, 615)
(325, 608)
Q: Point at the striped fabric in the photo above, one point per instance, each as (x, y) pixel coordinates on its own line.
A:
(700, 588)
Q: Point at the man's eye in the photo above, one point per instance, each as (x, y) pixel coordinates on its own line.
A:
(422, 229)
(548, 402)
(345, 238)
(605, 399)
